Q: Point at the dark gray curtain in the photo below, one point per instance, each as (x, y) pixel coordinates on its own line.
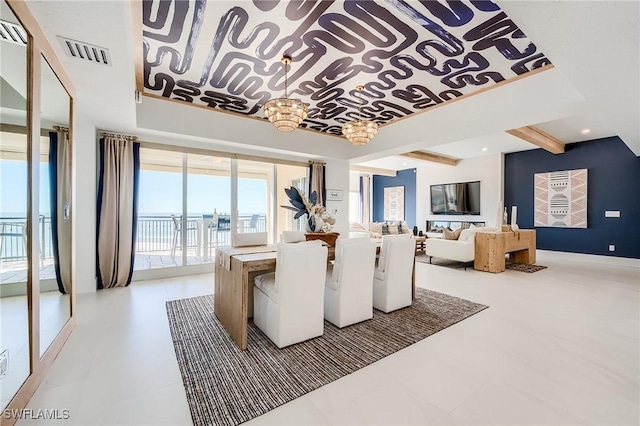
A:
(60, 202)
(317, 181)
(117, 213)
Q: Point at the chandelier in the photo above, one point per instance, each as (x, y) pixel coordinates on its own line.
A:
(284, 113)
(360, 132)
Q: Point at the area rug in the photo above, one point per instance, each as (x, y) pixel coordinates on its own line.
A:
(524, 268)
(227, 386)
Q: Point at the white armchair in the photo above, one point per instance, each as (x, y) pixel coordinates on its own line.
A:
(392, 286)
(288, 303)
(348, 292)
(461, 250)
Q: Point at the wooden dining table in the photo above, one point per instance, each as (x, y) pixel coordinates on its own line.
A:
(235, 271)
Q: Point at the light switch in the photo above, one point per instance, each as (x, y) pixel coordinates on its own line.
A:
(612, 213)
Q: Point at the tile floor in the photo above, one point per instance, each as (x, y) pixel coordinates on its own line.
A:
(559, 346)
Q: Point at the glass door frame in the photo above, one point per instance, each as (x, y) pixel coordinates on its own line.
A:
(39, 49)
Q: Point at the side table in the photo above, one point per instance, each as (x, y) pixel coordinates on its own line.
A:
(328, 237)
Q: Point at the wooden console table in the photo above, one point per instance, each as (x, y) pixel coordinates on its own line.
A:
(491, 247)
(328, 237)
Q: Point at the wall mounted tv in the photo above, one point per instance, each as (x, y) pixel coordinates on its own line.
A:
(456, 198)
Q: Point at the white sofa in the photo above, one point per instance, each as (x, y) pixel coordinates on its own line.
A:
(374, 229)
(461, 250)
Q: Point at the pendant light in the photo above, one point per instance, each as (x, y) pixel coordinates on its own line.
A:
(360, 132)
(284, 113)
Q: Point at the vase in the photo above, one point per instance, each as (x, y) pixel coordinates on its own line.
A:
(314, 223)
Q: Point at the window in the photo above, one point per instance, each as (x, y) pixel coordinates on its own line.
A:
(186, 205)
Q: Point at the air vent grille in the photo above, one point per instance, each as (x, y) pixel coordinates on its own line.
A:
(12, 33)
(85, 51)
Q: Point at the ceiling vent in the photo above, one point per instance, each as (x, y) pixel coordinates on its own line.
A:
(84, 51)
(12, 33)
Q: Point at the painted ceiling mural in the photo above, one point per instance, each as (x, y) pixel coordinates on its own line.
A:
(409, 55)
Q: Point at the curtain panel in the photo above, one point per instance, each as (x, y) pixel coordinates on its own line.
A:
(317, 181)
(60, 203)
(365, 199)
(117, 212)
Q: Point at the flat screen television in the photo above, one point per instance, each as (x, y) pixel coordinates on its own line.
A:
(456, 198)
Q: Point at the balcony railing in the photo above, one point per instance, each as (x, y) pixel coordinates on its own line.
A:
(154, 233)
(13, 238)
(161, 233)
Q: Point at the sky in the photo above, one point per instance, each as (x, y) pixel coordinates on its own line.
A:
(13, 188)
(161, 193)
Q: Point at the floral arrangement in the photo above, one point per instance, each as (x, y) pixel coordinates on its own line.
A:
(318, 219)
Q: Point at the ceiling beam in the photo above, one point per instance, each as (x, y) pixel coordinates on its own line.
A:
(434, 158)
(373, 170)
(538, 138)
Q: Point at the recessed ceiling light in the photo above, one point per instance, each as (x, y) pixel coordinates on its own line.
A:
(585, 131)
(485, 149)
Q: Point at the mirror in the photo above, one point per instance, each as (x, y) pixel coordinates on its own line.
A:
(14, 260)
(55, 208)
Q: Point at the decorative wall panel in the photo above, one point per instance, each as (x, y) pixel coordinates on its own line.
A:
(561, 199)
(409, 55)
(394, 203)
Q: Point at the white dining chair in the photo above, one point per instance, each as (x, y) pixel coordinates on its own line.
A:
(392, 287)
(292, 237)
(250, 239)
(348, 291)
(289, 303)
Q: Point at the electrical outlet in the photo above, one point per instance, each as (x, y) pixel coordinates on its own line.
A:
(612, 247)
(4, 363)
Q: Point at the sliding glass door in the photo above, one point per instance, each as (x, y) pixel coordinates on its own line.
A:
(209, 203)
(255, 200)
(190, 203)
(159, 230)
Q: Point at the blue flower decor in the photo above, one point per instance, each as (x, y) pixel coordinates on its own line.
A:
(318, 219)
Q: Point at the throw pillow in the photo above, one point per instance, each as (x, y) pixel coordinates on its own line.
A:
(385, 229)
(451, 235)
(356, 226)
(405, 227)
(375, 227)
(393, 229)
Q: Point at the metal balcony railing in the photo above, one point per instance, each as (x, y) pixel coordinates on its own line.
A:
(13, 234)
(157, 233)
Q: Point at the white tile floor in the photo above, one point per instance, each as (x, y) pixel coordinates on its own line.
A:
(560, 346)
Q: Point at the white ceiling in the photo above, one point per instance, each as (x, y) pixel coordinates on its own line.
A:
(593, 45)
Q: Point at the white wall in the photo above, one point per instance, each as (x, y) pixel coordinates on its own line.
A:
(488, 170)
(337, 177)
(84, 212)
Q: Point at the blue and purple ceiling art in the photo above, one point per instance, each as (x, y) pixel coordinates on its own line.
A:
(409, 55)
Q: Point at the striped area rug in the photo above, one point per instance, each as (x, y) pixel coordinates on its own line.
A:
(227, 386)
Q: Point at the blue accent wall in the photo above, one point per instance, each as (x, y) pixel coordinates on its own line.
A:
(406, 178)
(613, 184)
